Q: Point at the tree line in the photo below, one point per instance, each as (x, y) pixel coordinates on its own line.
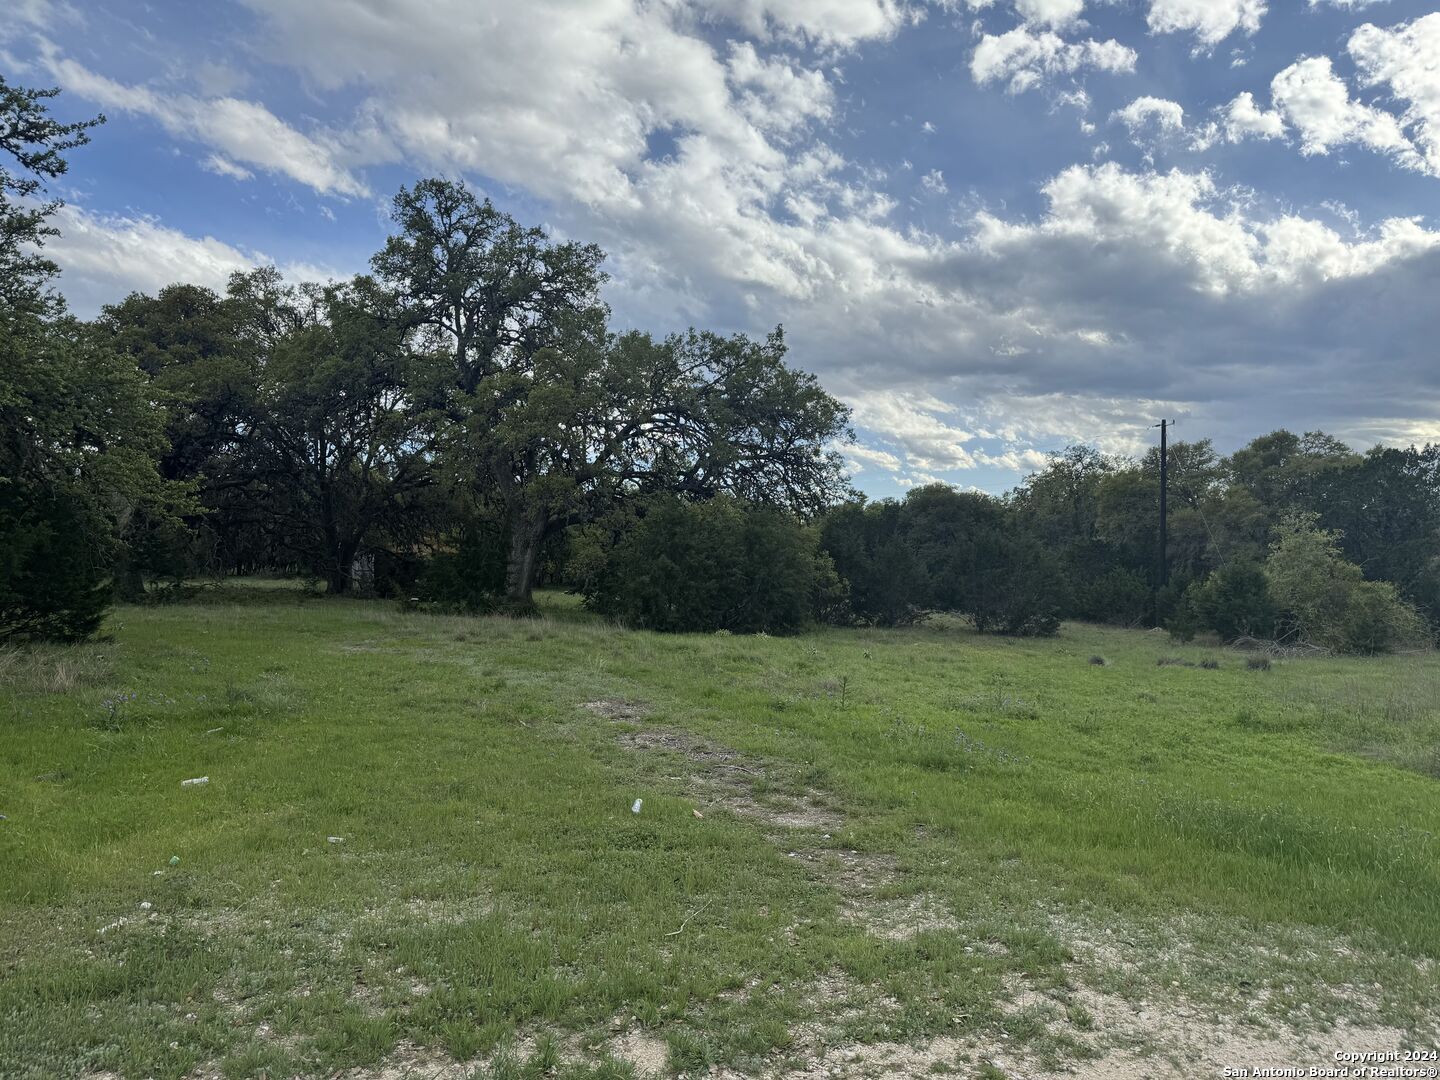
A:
(462, 423)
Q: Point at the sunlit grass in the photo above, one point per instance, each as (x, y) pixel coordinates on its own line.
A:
(488, 883)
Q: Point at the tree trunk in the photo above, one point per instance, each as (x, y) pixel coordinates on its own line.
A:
(527, 533)
(340, 566)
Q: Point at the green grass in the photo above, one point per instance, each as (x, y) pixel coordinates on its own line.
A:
(494, 899)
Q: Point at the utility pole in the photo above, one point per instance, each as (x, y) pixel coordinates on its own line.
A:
(1163, 554)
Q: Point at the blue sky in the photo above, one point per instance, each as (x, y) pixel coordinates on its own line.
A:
(993, 228)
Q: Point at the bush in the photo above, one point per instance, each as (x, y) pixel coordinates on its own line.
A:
(1233, 602)
(1326, 601)
(54, 581)
(870, 553)
(1376, 620)
(1117, 596)
(1022, 596)
(716, 565)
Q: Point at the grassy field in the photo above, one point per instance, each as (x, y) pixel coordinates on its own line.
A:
(859, 852)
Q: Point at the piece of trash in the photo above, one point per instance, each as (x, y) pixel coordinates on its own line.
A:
(214, 730)
(196, 780)
(335, 839)
(144, 905)
(174, 860)
(635, 806)
(3, 818)
(158, 873)
(697, 814)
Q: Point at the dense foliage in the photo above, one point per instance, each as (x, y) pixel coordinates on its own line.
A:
(464, 423)
(78, 438)
(718, 564)
(1294, 538)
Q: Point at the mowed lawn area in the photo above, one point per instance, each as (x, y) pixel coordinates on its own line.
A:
(859, 852)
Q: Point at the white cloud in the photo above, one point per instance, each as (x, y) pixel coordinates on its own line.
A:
(1406, 60)
(1056, 14)
(1023, 59)
(223, 166)
(934, 182)
(859, 457)
(1242, 119)
(1149, 116)
(240, 131)
(915, 422)
(1345, 3)
(1211, 21)
(104, 257)
(1317, 103)
(831, 22)
(775, 95)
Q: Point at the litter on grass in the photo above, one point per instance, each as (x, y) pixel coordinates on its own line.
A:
(196, 780)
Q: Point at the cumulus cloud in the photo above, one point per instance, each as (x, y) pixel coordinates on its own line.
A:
(1242, 119)
(1317, 103)
(775, 95)
(1211, 21)
(1403, 59)
(1056, 14)
(831, 22)
(1147, 117)
(240, 131)
(1023, 59)
(103, 257)
(1128, 295)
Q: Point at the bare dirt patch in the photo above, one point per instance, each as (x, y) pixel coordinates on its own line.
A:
(646, 1053)
(617, 708)
(720, 778)
(410, 1062)
(901, 918)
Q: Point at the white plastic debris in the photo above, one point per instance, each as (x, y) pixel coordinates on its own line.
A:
(196, 780)
(335, 839)
(144, 905)
(635, 806)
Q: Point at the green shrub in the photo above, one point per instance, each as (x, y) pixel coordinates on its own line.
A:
(871, 554)
(1233, 602)
(1324, 600)
(1376, 620)
(1022, 595)
(54, 580)
(716, 565)
(1116, 596)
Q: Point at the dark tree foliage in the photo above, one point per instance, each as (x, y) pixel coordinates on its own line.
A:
(868, 546)
(945, 550)
(465, 423)
(78, 439)
(555, 420)
(1233, 602)
(717, 564)
(1022, 593)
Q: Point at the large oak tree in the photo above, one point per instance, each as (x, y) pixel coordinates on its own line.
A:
(556, 419)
